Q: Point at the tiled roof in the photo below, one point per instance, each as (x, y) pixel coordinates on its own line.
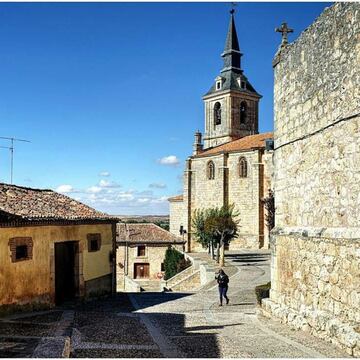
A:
(176, 198)
(23, 203)
(145, 233)
(246, 143)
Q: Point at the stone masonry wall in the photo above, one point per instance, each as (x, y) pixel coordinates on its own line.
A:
(315, 245)
(244, 193)
(316, 85)
(177, 216)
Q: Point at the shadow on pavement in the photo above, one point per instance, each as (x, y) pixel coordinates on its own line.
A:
(247, 258)
(115, 321)
(148, 299)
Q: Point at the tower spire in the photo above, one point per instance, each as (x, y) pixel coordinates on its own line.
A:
(231, 54)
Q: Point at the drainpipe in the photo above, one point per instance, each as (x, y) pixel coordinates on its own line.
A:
(113, 265)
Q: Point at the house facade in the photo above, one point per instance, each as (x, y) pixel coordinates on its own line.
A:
(52, 248)
(140, 253)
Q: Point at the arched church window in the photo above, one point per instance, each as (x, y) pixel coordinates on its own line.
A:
(217, 113)
(210, 170)
(242, 167)
(243, 111)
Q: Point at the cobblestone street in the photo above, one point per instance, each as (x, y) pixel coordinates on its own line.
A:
(166, 324)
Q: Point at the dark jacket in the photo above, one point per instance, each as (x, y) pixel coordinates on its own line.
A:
(223, 280)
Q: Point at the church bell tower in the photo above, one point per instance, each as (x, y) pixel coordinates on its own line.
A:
(231, 104)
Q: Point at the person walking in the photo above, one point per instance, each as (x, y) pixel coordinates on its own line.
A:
(223, 281)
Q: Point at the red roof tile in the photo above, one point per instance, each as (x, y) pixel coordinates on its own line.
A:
(176, 198)
(18, 202)
(246, 143)
(145, 233)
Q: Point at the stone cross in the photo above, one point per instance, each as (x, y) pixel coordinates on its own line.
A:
(284, 30)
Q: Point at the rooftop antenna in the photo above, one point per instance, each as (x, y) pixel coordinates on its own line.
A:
(11, 148)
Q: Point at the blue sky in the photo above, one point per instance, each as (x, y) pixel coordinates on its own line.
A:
(110, 93)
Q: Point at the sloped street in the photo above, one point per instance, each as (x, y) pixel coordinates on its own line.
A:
(165, 324)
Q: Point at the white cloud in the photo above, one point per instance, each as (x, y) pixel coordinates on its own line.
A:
(94, 189)
(157, 186)
(65, 189)
(108, 184)
(170, 160)
(115, 200)
(104, 173)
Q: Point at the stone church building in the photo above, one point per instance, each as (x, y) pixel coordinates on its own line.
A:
(232, 162)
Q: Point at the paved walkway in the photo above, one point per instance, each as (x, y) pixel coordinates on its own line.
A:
(165, 324)
(193, 325)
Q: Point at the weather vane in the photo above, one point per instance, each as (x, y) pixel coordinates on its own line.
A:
(233, 5)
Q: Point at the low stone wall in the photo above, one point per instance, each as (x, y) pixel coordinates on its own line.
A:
(190, 283)
(316, 283)
(178, 277)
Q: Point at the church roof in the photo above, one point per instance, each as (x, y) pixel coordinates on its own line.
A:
(176, 198)
(246, 143)
(18, 203)
(142, 233)
(232, 71)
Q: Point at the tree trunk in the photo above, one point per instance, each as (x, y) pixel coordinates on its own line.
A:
(212, 250)
(217, 252)
(222, 252)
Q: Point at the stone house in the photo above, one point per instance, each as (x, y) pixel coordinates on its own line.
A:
(140, 254)
(234, 164)
(315, 275)
(52, 248)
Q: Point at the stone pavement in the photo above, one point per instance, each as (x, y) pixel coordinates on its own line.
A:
(165, 324)
(193, 325)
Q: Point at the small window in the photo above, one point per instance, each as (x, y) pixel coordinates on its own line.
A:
(21, 252)
(242, 167)
(243, 85)
(94, 242)
(243, 110)
(21, 248)
(162, 267)
(217, 113)
(141, 250)
(218, 85)
(211, 170)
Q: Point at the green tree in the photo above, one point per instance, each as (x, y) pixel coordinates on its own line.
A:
(174, 262)
(215, 226)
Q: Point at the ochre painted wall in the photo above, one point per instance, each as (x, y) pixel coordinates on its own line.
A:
(33, 280)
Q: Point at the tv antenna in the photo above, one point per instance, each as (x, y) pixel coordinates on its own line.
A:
(11, 148)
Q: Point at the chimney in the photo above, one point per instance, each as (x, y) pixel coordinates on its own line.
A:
(197, 147)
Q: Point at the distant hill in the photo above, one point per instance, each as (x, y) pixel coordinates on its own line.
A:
(145, 218)
(160, 220)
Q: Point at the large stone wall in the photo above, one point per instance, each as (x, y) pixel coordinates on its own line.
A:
(316, 257)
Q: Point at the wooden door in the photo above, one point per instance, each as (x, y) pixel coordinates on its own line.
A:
(65, 272)
(141, 271)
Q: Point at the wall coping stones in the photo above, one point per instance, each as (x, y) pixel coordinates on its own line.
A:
(342, 233)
